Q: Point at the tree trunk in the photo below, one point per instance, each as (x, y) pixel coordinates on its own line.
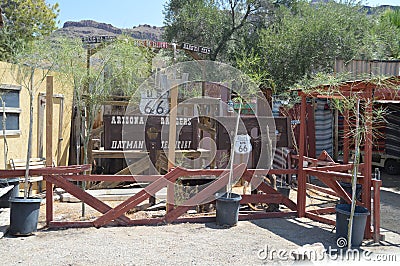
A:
(29, 152)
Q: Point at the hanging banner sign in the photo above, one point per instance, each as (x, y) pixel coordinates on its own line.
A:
(98, 39)
(242, 144)
(195, 48)
(151, 44)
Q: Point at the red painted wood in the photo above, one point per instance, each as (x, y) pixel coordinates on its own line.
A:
(310, 127)
(127, 178)
(45, 171)
(346, 136)
(261, 185)
(318, 218)
(377, 209)
(75, 224)
(327, 210)
(366, 187)
(82, 195)
(141, 196)
(322, 189)
(265, 215)
(289, 203)
(205, 194)
(261, 198)
(170, 197)
(301, 180)
(49, 202)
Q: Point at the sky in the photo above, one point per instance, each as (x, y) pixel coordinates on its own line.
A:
(129, 13)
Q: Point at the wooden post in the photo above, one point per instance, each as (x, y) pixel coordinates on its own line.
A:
(377, 209)
(301, 180)
(336, 136)
(346, 131)
(172, 126)
(49, 146)
(172, 143)
(366, 190)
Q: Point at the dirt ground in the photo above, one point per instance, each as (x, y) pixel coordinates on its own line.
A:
(249, 243)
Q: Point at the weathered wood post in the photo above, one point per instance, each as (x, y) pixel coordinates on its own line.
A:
(49, 146)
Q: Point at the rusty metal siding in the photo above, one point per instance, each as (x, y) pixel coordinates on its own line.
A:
(364, 68)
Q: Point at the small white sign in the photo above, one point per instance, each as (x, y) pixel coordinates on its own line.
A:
(152, 103)
(242, 144)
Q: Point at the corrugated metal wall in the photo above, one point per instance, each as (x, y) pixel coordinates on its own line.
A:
(323, 128)
(364, 68)
(392, 130)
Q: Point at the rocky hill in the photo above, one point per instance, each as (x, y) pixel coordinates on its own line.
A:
(92, 28)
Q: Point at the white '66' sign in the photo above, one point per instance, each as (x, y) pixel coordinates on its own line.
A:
(242, 144)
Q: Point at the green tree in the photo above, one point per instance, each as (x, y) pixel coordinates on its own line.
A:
(218, 24)
(24, 20)
(115, 68)
(307, 38)
(388, 28)
(32, 65)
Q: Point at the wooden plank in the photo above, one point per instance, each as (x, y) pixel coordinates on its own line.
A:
(49, 120)
(134, 169)
(135, 200)
(172, 126)
(96, 204)
(261, 198)
(301, 179)
(111, 154)
(377, 209)
(321, 189)
(327, 210)
(318, 218)
(112, 178)
(206, 193)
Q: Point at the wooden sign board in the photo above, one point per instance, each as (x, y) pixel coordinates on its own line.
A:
(97, 39)
(143, 132)
(227, 124)
(195, 48)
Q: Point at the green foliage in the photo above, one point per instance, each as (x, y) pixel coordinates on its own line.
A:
(307, 39)
(116, 68)
(218, 24)
(389, 27)
(24, 20)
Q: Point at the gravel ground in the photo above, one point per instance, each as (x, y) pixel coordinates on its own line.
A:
(192, 244)
(178, 244)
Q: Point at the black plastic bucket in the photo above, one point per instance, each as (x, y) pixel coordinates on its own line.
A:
(359, 222)
(227, 209)
(24, 215)
(347, 187)
(13, 193)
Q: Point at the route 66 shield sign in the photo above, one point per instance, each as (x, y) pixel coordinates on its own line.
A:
(242, 144)
(153, 103)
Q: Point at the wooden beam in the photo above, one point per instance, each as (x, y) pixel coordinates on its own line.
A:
(301, 195)
(377, 209)
(74, 190)
(172, 126)
(49, 146)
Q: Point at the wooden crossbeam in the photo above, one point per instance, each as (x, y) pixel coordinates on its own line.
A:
(318, 218)
(141, 196)
(270, 191)
(74, 190)
(205, 194)
(333, 184)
